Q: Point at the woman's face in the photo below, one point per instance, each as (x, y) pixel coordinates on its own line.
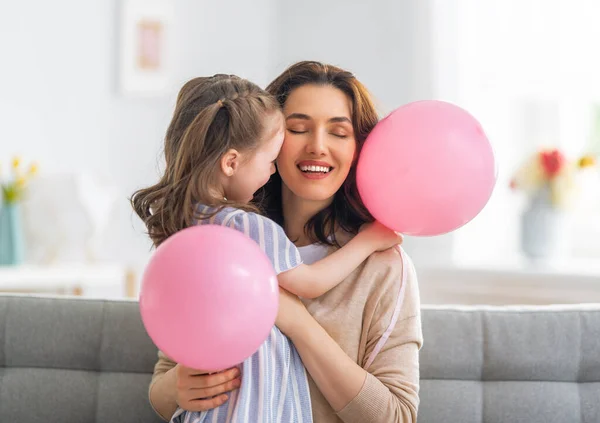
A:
(319, 145)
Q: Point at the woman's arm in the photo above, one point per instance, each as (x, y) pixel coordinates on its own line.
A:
(162, 391)
(388, 391)
(391, 389)
(162, 394)
(336, 375)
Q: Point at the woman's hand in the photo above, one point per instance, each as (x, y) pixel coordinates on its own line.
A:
(291, 313)
(199, 391)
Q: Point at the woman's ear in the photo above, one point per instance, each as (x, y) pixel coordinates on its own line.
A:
(230, 162)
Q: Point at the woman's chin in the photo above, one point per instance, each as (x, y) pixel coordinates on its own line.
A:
(315, 194)
(313, 190)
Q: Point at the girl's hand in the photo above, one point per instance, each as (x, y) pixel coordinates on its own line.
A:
(199, 391)
(380, 237)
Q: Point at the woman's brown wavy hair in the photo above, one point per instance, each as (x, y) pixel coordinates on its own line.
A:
(212, 115)
(347, 210)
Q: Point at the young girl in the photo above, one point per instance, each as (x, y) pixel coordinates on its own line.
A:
(220, 148)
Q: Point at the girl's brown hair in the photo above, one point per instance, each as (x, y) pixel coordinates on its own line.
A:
(347, 210)
(212, 115)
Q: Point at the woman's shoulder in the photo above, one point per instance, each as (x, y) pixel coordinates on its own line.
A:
(393, 281)
(388, 264)
(392, 258)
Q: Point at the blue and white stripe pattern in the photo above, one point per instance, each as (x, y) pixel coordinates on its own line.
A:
(274, 385)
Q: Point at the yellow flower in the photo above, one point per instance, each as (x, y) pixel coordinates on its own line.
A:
(587, 161)
(21, 181)
(16, 162)
(33, 169)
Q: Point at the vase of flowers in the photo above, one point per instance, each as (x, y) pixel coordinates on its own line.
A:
(12, 248)
(551, 182)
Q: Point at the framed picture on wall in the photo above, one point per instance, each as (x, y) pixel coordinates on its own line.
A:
(145, 44)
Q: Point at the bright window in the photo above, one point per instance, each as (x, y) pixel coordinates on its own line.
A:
(529, 70)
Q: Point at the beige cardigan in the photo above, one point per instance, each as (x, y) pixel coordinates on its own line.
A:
(374, 315)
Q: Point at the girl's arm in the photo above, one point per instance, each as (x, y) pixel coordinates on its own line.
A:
(313, 280)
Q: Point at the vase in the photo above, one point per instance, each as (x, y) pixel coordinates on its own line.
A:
(11, 235)
(544, 229)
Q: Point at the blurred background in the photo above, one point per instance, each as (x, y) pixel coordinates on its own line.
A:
(87, 90)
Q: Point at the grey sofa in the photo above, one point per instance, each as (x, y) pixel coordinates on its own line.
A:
(75, 360)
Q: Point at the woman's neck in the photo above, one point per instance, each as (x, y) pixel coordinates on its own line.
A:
(297, 212)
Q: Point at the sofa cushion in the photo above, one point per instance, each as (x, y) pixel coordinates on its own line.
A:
(77, 360)
(511, 364)
(74, 360)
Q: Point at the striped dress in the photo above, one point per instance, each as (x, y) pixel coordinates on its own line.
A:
(274, 385)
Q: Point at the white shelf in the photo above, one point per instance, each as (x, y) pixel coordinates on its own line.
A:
(102, 280)
(511, 283)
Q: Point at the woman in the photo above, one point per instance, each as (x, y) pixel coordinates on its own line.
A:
(360, 341)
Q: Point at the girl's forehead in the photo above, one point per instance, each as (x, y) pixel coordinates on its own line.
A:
(274, 128)
(274, 123)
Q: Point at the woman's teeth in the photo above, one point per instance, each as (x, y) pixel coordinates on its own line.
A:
(322, 169)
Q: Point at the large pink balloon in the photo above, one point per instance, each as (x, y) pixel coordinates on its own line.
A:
(426, 169)
(209, 297)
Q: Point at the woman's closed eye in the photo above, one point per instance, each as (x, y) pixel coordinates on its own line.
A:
(340, 130)
(339, 135)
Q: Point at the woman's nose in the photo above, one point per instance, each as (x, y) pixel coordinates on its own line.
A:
(316, 144)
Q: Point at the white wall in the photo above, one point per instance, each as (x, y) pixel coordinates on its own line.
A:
(376, 40)
(58, 99)
(386, 43)
(60, 107)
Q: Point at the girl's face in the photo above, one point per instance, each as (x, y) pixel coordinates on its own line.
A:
(319, 146)
(256, 167)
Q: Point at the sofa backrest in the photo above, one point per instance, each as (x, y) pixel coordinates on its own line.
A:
(530, 365)
(73, 360)
(77, 360)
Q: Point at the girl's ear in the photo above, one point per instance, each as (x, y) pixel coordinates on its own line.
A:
(230, 162)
